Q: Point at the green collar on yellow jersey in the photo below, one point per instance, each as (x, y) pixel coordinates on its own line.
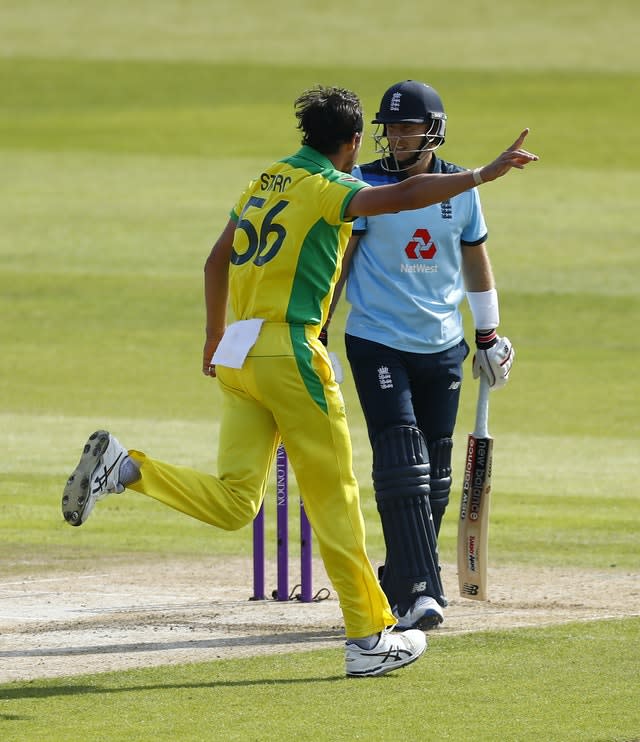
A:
(309, 153)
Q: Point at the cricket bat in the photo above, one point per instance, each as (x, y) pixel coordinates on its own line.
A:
(473, 524)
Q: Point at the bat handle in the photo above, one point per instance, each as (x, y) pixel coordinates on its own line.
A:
(482, 410)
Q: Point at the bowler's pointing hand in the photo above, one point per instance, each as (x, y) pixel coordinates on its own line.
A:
(514, 156)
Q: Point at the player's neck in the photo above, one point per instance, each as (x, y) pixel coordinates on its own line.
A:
(345, 158)
(422, 166)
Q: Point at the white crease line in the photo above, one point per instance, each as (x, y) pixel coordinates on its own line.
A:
(31, 581)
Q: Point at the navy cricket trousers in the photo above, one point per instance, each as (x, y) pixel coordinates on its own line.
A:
(396, 387)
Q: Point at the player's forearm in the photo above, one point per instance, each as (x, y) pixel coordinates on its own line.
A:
(425, 190)
(216, 294)
(476, 268)
(216, 283)
(344, 272)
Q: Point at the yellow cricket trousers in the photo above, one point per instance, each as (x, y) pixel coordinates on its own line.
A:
(286, 389)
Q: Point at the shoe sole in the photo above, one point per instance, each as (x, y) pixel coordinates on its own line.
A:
(76, 499)
(428, 622)
(384, 669)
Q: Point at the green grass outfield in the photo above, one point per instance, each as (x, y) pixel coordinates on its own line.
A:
(127, 130)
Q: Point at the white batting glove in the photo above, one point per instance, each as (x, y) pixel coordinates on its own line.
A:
(494, 358)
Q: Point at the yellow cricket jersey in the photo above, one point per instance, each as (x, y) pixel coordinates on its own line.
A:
(291, 234)
(288, 245)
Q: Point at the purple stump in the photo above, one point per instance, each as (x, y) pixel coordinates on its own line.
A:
(258, 556)
(282, 511)
(306, 550)
(306, 595)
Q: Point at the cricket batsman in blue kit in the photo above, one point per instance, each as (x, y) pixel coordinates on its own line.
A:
(275, 266)
(406, 276)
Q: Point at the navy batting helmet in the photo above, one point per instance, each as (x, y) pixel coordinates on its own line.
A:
(411, 102)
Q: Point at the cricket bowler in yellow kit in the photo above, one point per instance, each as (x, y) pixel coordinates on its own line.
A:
(284, 264)
(276, 264)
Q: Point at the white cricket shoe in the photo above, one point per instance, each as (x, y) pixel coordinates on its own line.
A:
(391, 652)
(96, 476)
(425, 614)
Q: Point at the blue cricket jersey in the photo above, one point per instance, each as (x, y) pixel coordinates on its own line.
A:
(405, 282)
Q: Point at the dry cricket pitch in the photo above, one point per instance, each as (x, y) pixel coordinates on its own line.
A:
(124, 616)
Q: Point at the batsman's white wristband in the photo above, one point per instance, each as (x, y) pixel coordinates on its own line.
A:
(484, 309)
(477, 178)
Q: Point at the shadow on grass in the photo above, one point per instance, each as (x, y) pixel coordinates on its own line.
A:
(52, 691)
(290, 637)
(17, 690)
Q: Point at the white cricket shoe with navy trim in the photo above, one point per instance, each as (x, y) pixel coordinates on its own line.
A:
(426, 613)
(391, 652)
(96, 476)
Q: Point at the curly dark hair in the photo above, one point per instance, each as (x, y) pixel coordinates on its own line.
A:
(328, 117)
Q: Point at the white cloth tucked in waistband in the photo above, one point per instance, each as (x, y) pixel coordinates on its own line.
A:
(237, 341)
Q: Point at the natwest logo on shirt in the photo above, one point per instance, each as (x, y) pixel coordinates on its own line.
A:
(421, 246)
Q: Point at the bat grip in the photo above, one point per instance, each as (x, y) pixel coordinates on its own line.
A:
(482, 409)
